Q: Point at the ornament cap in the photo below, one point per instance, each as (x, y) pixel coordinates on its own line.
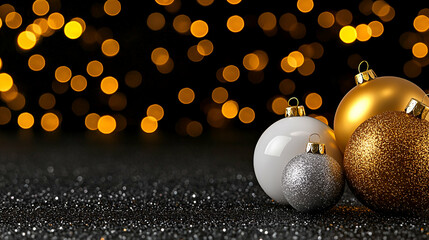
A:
(417, 109)
(364, 76)
(315, 147)
(294, 111)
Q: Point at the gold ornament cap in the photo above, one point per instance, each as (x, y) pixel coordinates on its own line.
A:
(364, 76)
(315, 147)
(417, 109)
(294, 111)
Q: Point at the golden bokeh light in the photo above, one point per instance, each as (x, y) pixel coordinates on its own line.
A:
(109, 85)
(5, 115)
(118, 101)
(348, 34)
(78, 83)
(231, 73)
(305, 6)
(287, 86)
(110, 47)
(412, 69)
(17, 103)
(73, 30)
(298, 31)
(63, 74)
(47, 101)
(25, 120)
(160, 56)
(278, 106)
(295, 59)
(233, 2)
(263, 59)
(251, 61)
(219, 95)
(55, 20)
(9, 95)
(286, 67)
(267, 21)
(322, 119)
(307, 68)
(26, 40)
(288, 21)
(313, 101)
(133, 79)
(246, 115)
(149, 124)
(205, 3)
(36, 62)
(205, 47)
(6, 82)
(230, 109)
(91, 121)
(199, 28)
(40, 7)
(363, 32)
(112, 7)
(6, 9)
(421, 23)
(235, 24)
(106, 124)
(155, 21)
(13, 20)
(164, 2)
(50, 122)
(186, 95)
(1, 23)
(43, 25)
(420, 50)
(344, 17)
(377, 28)
(326, 19)
(156, 111)
(215, 118)
(194, 55)
(59, 88)
(94, 68)
(167, 67)
(182, 23)
(194, 129)
(390, 15)
(380, 8)
(35, 28)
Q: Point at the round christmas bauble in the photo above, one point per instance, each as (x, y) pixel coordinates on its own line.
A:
(313, 182)
(372, 95)
(281, 142)
(386, 163)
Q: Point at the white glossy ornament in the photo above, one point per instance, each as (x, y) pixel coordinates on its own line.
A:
(282, 141)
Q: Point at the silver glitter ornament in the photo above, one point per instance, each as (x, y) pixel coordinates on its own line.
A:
(313, 181)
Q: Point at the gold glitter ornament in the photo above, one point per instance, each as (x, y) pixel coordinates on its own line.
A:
(372, 95)
(386, 161)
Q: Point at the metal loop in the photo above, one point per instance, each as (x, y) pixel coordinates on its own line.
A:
(367, 65)
(292, 98)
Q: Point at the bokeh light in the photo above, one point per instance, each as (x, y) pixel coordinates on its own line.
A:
(344, 17)
(278, 106)
(47, 101)
(63, 74)
(78, 83)
(5, 115)
(73, 30)
(267, 21)
(199, 28)
(219, 95)
(233, 2)
(110, 47)
(377, 28)
(246, 115)
(305, 6)
(235, 24)
(205, 47)
(26, 40)
(50, 122)
(133, 79)
(56, 20)
(91, 121)
(313, 101)
(420, 50)
(6, 82)
(230, 109)
(186, 95)
(194, 128)
(348, 34)
(106, 124)
(36, 62)
(94, 68)
(149, 124)
(421, 23)
(25, 120)
(160, 56)
(326, 19)
(13, 20)
(118, 101)
(182, 24)
(112, 7)
(363, 32)
(156, 111)
(155, 21)
(109, 85)
(231, 73)
(205, 3)
(40, 7)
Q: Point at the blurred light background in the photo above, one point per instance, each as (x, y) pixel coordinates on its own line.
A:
(191, 67)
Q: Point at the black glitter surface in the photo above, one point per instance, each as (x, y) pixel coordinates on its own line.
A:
(171, 188)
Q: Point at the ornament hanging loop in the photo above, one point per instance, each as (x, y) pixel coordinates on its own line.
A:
(315, 147)
(294, 111)
(365, 76)
(293, 98)
(360, 64)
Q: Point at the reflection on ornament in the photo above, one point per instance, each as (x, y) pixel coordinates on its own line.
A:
(386, 161)
(313, 181)
(281, 142)
(372, 95)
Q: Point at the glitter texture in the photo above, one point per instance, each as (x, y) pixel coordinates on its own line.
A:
(387, 163)
(312, 182)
